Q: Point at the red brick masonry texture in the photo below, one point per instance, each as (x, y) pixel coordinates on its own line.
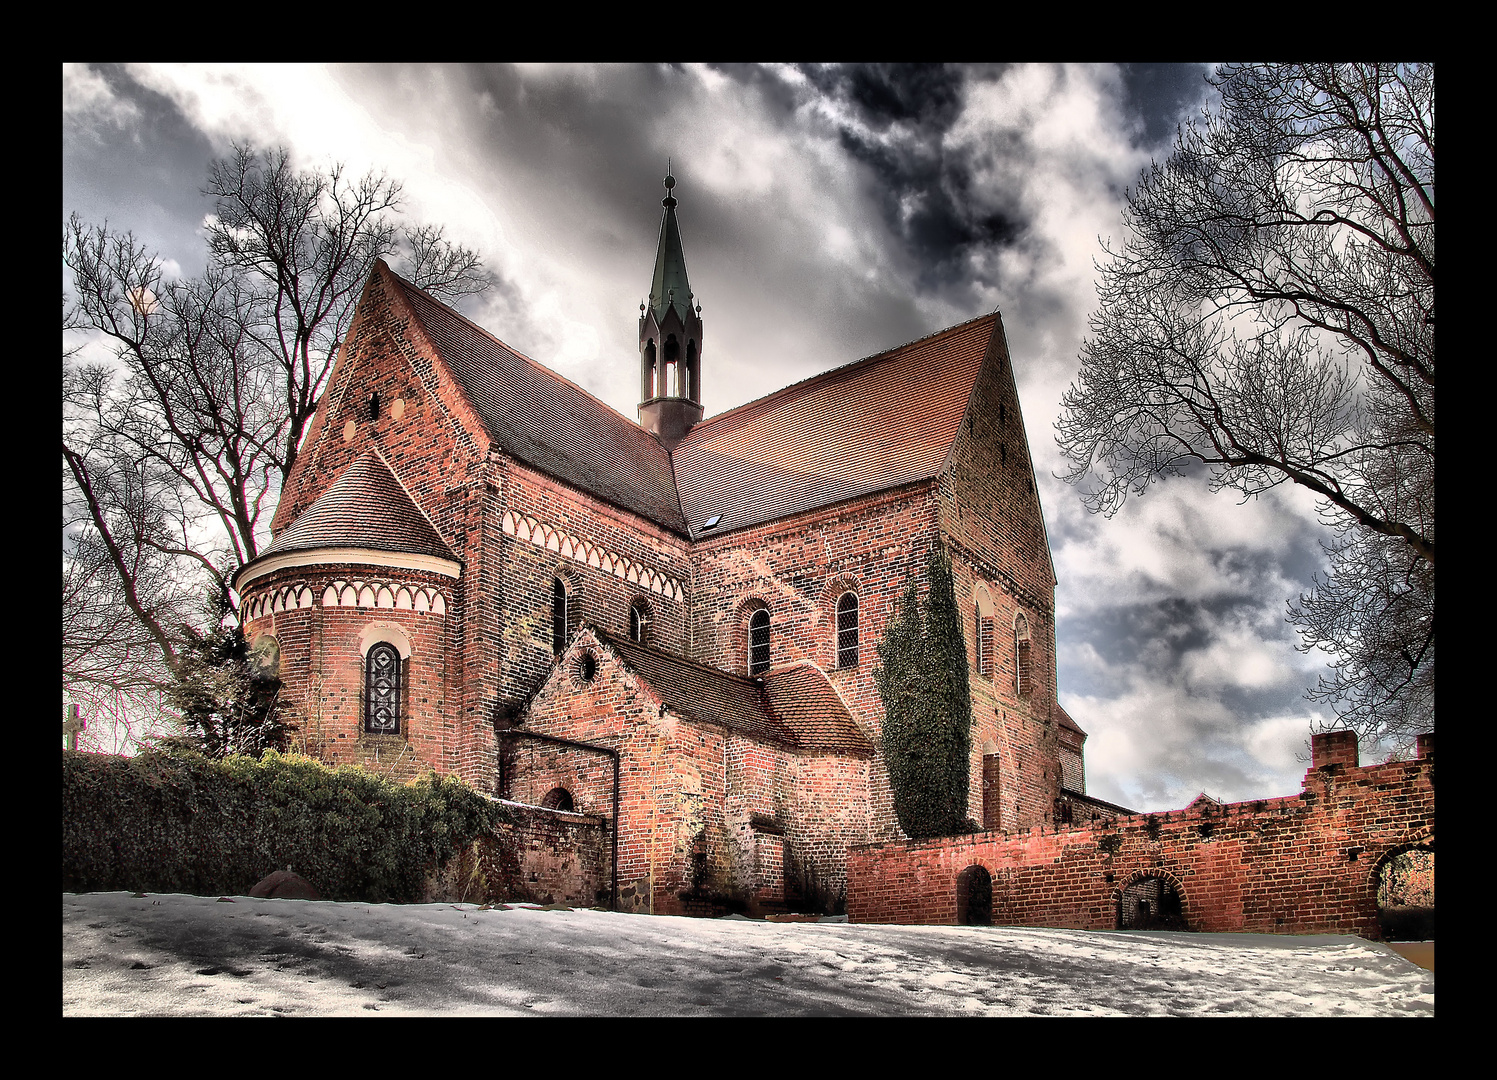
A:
(1296, 865)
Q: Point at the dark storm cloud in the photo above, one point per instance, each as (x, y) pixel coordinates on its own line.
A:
(898, 117)
(127, 162)
(1158, 97)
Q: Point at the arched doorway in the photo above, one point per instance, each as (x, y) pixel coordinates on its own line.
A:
(1406, 895)
(974, 897)
(1151, 902)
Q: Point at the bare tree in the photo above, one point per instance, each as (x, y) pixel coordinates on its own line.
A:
(176, 446)
(1270, 315)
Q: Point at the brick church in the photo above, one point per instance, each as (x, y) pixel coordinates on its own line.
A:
(670, 625)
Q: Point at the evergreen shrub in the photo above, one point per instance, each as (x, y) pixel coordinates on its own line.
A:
(922, 680)
(181, 822)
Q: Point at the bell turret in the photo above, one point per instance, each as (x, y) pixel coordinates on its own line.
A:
(670, 339)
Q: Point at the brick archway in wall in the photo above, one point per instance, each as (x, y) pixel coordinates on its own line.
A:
(1402, 886)
(974, 896)
(1162, 911)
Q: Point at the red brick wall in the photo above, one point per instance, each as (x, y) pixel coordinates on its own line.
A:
(540, 856)
(322, 666)
(1305, 864)
(798, 568)
(992, 523)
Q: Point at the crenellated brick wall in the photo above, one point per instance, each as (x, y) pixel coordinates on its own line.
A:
(1294, 865)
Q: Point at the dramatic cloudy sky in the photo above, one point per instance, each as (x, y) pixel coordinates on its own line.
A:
(827, 214)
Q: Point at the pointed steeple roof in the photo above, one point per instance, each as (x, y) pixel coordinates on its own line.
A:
(669, 287)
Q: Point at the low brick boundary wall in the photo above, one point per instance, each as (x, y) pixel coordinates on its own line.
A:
(1297, 865)
(544, 856)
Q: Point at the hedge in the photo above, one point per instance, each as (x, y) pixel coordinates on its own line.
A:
(184, 823)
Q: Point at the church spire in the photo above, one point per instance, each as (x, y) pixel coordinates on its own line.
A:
(670, 338)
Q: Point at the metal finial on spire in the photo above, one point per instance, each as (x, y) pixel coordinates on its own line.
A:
(670, 182)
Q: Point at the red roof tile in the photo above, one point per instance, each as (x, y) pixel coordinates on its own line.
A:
(550, 423)
(806, 702)
(1063, 718)
(794, 706)
(878, 423)
(366, 507)
(703, 693)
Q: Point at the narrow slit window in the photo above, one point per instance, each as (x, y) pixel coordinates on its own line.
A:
(847, 630)
(758, 659)
(558, 616)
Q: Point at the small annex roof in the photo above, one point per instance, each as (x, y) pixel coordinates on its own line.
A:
(804, 700)
(796, 707)
(548, 422)
(366, 507)
(878, 423)
(1063, 718)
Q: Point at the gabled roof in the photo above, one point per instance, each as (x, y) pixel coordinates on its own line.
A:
(795, 707)
(367, 508)
(882, 422)
(546, 421)
(1063, 718)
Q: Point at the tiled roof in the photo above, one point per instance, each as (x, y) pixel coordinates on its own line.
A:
(364, 508)
(806, 702)
(878, 423)
(550, 423)
(703, 693)
(794, 706)
(1063, 718)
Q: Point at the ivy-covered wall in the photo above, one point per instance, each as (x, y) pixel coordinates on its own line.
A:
(182, 823)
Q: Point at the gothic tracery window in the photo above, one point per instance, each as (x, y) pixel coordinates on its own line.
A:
(382, 690)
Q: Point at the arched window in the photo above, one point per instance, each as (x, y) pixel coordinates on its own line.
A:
(558, 615)
(558, 798)
(847, 630)
(982, 629)
(1022, 681)
(758, 650)
(382, 690)
(639, 622)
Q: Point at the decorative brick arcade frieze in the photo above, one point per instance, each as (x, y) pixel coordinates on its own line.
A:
(352, 593)
(550, 538)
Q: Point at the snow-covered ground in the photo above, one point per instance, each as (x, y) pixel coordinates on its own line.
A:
(174, 955)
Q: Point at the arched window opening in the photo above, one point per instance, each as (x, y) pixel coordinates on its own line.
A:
(558, 798)
(639, 622)
(1022, 679)
(692, 387)
(558, 616)
(374, 405)
(1151, 903)
(382, 690)
(1406, 896)
(991, 808)
(847, 630)
(974, 897)
(669, 373)
(758, 652)
(647, 372)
